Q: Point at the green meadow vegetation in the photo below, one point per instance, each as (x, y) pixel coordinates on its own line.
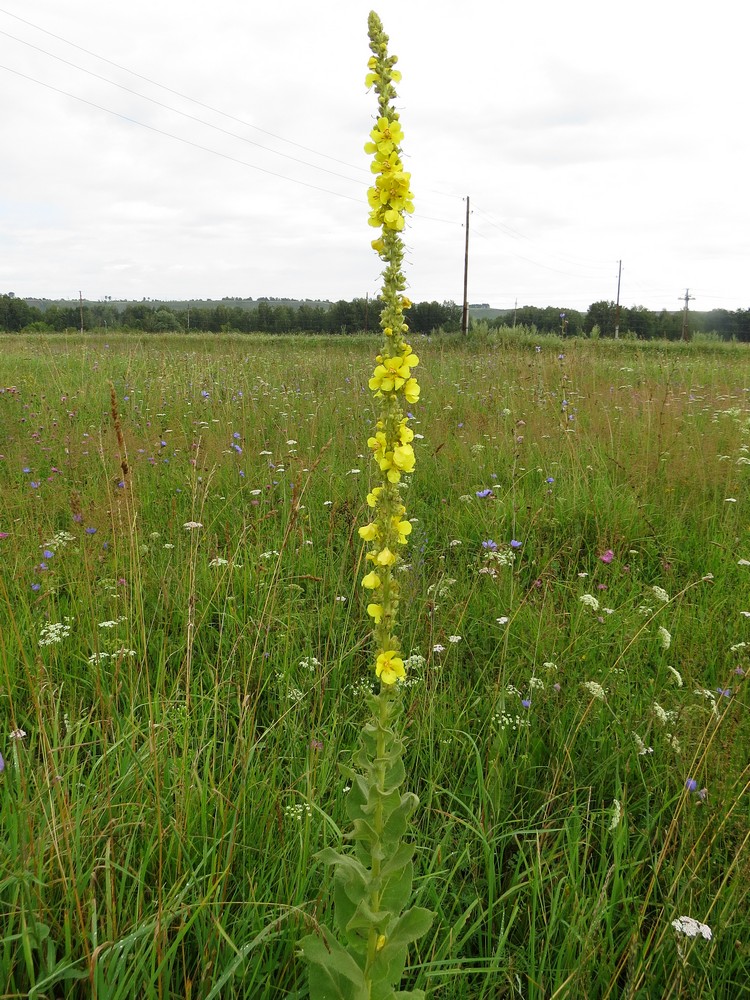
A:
(185, 653)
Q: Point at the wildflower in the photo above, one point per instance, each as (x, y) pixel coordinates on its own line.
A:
(192, 525)
(438, 648)
(663, 715)
(2, 764)
(676, 675)
(17, 734)
(482, 494)
(389, 667)
(590, 601)
(642, 748)
(665, 637)
(490, 545)
(454, 639)
(692, 928)
(594, 689)
(607, 557)
(661, 594)
(502, 620)
(691, 785)
(616, 815)
(514, 544)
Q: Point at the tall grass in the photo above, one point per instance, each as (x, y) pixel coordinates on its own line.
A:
(185, 721)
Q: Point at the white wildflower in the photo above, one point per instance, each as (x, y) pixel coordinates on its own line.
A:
(17, 734)
(661, 594)
(454, 638)
(595, 690)
(590, 601)
(513, 722)
(674, 742)
(298, 810)
(692, 928)
(218, 561)
(642, 748)
(676, 675)
(502, 620)
(192, 525)
(53, 632)
(663, 715)
(616, 815)
(536, 683)
(549, 665)
(665, 637)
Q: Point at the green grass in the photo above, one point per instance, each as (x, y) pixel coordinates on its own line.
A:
(159, 820)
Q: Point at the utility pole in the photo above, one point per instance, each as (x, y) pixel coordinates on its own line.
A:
(515, 310)
(617, 313)
(685, 331)
(80, 304)
(465, 314)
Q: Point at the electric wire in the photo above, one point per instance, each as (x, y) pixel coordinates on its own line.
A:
(178, 138)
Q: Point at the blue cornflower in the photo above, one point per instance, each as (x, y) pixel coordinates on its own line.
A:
(489, 544)
(484, 493)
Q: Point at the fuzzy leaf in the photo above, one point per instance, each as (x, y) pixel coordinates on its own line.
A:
(333, 973)
(396, 891)
(409, 927)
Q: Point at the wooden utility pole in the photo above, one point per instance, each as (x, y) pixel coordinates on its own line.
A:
(80, 304)
(617, 313)
(685, 331)
(515, 310)
(465, 314)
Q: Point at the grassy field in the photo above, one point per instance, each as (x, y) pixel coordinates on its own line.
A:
(183, 645)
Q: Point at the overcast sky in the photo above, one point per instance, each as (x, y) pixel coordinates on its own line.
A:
(184, 149)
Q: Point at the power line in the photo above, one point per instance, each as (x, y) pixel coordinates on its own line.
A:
(176, 111)
(178, 138)
(177, 93)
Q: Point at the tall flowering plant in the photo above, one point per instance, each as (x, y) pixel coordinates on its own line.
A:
(364, 958)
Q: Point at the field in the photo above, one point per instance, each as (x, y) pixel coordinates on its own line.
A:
(184, 651)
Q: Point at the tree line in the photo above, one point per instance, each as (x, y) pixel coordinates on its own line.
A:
(266, 316)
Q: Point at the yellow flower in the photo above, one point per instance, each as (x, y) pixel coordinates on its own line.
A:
(403, 458)
(389, 667)
(369, 532)
(393, 220)
(375, 611)
(386, 134)
(405, 433)
(371, 581)
(403, 529)
(386, 557)
(377, 444)
(385, 163)
(393, 373)
(372, 498)
(411, 391)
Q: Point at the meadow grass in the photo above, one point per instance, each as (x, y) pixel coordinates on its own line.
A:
(187, 693)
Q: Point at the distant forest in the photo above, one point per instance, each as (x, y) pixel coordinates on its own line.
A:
(268, 315)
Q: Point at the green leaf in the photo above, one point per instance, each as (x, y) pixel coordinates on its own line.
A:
(396, 891)
(332, 972)
(401, 856)
(409, 927)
